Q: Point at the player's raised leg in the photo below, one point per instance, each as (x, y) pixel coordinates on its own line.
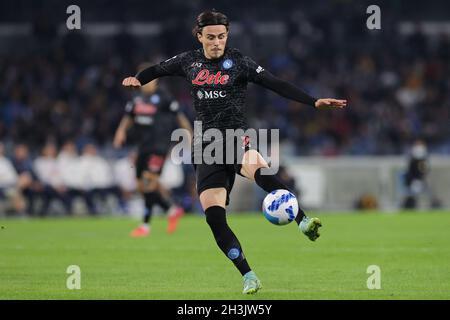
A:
(213, 203)
(252, 164)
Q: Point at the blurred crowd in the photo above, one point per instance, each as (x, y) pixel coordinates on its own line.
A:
(397, 84)
(59, 87)
(53, 180)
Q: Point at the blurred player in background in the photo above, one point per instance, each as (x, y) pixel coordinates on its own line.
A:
(218, 76)
(153, 114)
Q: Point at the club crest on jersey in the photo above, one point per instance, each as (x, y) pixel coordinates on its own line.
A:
(204, 77)
(227, 64)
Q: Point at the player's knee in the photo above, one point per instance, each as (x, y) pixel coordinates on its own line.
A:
(251, 163)
(250, 169)
(213, 197)
(253, 158)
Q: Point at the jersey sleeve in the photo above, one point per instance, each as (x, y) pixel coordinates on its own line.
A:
(174, 66)
(252, 70)
(170, 67)
(257, 74)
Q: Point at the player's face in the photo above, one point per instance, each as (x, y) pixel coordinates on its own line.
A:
(214, 39)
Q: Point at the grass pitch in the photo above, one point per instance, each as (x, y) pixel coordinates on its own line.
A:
(412, 250)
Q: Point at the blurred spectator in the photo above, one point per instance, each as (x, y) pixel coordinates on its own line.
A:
(8, 184)
(97, 175)
(366, 201)
(28, 182)
(415, 177)
(397, 85)
(49, 173)
(70, 168)
(124, 174)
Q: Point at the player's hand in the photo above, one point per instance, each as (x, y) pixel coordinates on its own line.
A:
(131, 82)
(330, 103)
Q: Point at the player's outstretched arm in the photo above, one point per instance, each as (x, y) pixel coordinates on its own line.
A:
(170, 67)
(145, 76)
(288, 90)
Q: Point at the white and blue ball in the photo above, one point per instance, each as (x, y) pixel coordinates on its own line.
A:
(280, 207)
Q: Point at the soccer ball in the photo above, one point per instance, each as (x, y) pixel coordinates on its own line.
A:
(280, 207)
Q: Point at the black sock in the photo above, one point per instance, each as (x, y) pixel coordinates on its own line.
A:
(225, 238)
(270, 183)
(150, 199)
(300, 215)
(162, 202)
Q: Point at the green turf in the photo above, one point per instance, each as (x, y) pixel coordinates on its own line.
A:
(412, 250)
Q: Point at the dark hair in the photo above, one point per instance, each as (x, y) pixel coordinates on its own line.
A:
(208, 18)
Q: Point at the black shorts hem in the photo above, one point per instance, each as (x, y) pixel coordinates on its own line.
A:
(215, 185)
(211, 186)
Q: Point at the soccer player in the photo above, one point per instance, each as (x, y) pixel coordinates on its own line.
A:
(154, 115)
(218, 76)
